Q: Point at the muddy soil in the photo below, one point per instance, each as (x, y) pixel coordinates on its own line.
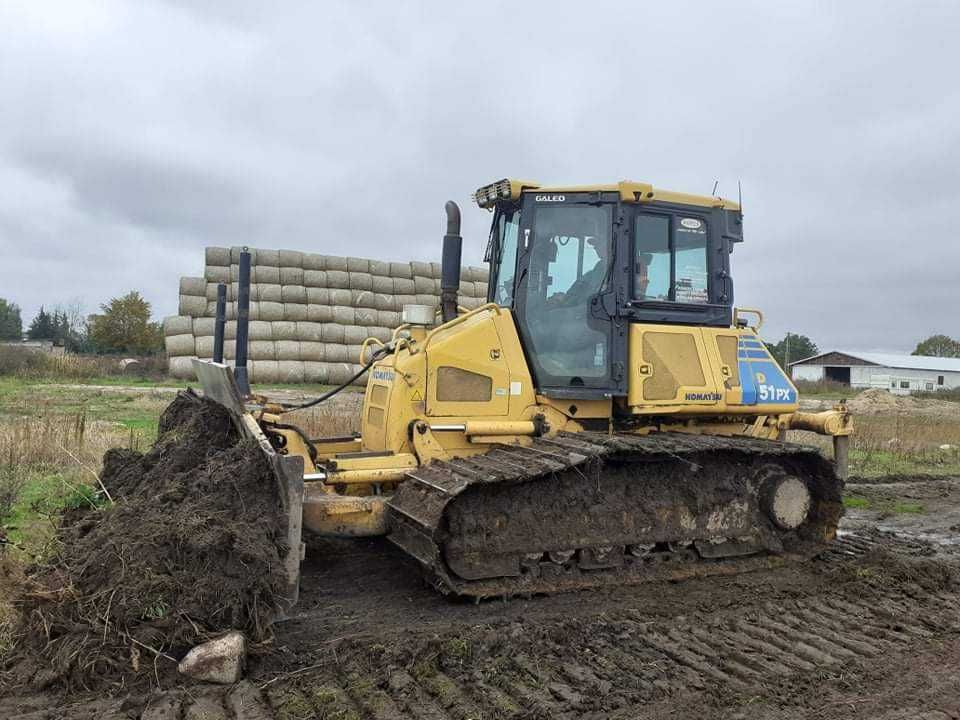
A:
(871, 629)
(191, 546)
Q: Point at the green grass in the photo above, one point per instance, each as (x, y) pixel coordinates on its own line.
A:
(884, 506)
(879, 463)
(855, 502)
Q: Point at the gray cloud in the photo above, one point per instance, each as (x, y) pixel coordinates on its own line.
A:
(134, 135)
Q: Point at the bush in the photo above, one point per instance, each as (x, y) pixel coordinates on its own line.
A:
(18, 360)
(37, 365)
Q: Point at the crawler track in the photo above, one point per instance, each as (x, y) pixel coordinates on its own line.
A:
(586, 510)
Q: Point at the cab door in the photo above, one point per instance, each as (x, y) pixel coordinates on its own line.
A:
(670, 367)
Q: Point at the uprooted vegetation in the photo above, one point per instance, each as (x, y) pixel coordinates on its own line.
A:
(191, 545)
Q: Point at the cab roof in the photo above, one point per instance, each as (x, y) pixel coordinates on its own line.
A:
(630, 191)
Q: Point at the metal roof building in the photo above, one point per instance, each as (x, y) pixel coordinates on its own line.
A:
(900, 374)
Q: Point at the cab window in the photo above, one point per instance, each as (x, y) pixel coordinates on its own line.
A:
(670, 262)
(503, 242)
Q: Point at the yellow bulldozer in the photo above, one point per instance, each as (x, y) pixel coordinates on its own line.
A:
(606, 417)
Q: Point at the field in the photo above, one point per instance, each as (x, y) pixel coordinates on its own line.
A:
(870, 629)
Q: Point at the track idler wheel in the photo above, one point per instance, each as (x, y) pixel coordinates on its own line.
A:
(786, 500)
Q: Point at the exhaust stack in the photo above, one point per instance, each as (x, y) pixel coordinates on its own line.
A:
(450, 265)
(243, 323)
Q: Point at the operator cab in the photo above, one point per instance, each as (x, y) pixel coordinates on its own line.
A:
(576, 265)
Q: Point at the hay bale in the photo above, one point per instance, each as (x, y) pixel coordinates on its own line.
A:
(331, 333)
(309, 331)
(193, 286)
(285, 330)
(319, 313)
(288, 349)
(383, 334)
(360, 281)
(262, 350)
(229, 350)
(342, 372)
(291, 276)
(318, 296)
(212, 291)
(294, 311)
(205, 347)
(344, 315)
(472, 303)
(337, 353)
(268, 257)
(424, 285)
(291, 259)
(358, 265)
(341, 296)
(402, 300)
(435, 270)
(264, 275)
(180, 345)
(181, 368)
(192, 306)
(335, 262)
(217, 256)
(427, 300)
(258, 330)
(316, 372)
(382, 284)
(365, 317)
(404, 286)
(338, 279)
(263, 371)
(270, 311)
(401, 270)
(177, 325)
(294, 294)
(312, 351)
(266, 292)
(290, 371)
(235, 254)
(474, 274)
(388, 318)
(216, 274)
(314, 261)
(354, 335)
(422, 269)
(363, 299)
(382, 301)
(379, 268)
(315, 278)
(230, 330)
(482, 289)
(204, 326)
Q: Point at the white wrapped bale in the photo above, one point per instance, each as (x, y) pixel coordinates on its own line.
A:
(290, 371)
(264, 371)
(360, 281)
(401, 270)
(271, 311)
(294, 294)
(338, 353)
(193, 306)
(291, 259)
(402, 300)
(365, 317)
(355, 264)
(435, 270)
(383, 334)
(230, 330)
(382, 285)
(268, 257)
(309, 331)
(331, 334)
(482, 289)
(316, 372)
(266, 292)
(318, 296)
(264, 275)
(254, 311)
(427, 300)
(472, 303)
(204, 326)
(229, 350)
(261, 350)
(354, 335)
(181, 345)
(379, 268)
(319, 313)
(258, 330)
(211, 293)
(284, 330)
(342, 372)
(219, 256)
(193, 286)
(314, 261)
(288, 349)
(294, 311)
(178, 325)
(475, 274)
(181, 368)
(312, 351)
(291, 276)
(424, 285)
(384, 302)
(314, 278)
(338, 279)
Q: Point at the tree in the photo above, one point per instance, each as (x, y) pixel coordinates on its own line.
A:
(938, 346)
(11, 326)
(42, 326)
(792, 348)
(125, 327)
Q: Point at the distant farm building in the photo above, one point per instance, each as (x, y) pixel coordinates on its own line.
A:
(900, 374)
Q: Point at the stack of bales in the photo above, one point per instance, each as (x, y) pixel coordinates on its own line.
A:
(309, 313)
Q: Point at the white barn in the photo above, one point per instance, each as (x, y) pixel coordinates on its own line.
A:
(900, 374)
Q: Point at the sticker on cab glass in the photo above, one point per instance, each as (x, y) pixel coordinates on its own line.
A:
(691, 225)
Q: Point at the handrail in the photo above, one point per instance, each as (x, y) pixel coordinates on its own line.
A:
(752, 311)
(460, 319)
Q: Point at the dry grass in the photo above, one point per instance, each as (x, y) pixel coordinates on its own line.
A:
(338, 417)
(32, 364)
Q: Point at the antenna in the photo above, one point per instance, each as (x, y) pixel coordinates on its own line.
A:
(716, 184)
(739, 196)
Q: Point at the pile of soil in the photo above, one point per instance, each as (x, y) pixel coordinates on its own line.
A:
(877, 401)
(192, 545)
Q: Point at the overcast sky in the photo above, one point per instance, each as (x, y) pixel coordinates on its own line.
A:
(134, 134)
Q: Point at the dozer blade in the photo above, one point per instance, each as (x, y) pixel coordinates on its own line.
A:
(220, 386)
(589, 509)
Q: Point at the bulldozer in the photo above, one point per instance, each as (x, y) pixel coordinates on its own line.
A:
(607, 416)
